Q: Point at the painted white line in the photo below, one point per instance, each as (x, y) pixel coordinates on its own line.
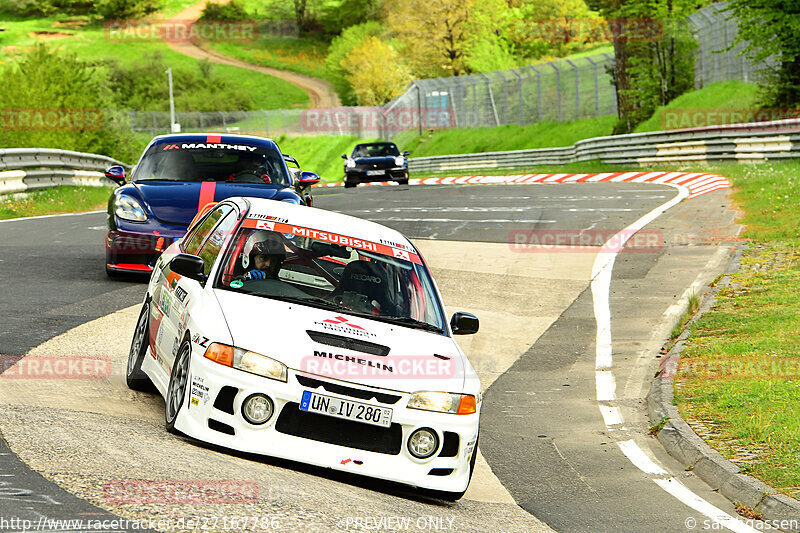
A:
(640, 459)
(611, 415)
(52, 216)
(606, 387)
(697, 503)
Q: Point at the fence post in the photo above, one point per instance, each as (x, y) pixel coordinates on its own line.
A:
(285, 125)
(558, 87)
(224, 122)
(133, 122)
(475, 101)
(596, 88)
(505, 96)
(491, 98)
(155, 127)
(538, 92)
(521, 110)
(577, 88)
(266, 122)
(419, 108)
(247, 122)
(613, 87)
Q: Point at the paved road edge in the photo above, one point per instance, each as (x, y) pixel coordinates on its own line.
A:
(682, 443)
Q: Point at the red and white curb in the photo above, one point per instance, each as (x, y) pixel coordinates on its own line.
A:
(698, 183)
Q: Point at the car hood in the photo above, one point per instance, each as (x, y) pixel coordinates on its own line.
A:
(419, 360)
(177, 202)
(382, 162)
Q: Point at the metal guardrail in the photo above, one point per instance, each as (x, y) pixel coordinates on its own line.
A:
(23, 169)
(752, 142)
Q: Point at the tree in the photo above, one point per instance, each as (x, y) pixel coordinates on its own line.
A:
(770, 29)
(375, 72)
(340, 47)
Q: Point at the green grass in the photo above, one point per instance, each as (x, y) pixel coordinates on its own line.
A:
(61, 199)
(320, 154)
(303, 55)
(716, 103)
(740, 374)
(91, 42)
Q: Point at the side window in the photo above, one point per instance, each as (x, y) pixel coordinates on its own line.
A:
(193, 244)
(216, 238)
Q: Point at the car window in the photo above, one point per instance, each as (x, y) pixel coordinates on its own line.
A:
(376, 150)
(236, 163)
(213, 244)
(197, 238)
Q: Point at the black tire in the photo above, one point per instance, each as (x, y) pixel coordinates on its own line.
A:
(348, 184)
(455, 496)
(178, 385)
(134, 376)
(403, 181)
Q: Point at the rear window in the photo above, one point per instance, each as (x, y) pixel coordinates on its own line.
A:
(238, 163)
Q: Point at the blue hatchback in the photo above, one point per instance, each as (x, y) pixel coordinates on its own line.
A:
(177, 176)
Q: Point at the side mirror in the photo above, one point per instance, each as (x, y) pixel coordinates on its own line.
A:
(406, 153)
(464, 324)
(116, 174)
(344, 156)
(290, 159)
(191, 266)
(307, 179)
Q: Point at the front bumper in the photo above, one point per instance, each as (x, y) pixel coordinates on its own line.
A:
(136, 250)
(214, 414)
(356, 175)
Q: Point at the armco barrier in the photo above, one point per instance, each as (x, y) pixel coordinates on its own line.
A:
(752, 142)
(23, 169)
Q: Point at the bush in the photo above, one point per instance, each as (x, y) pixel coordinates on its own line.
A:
(126, 9)
(52, 99)
(143, 86)
(375, 72)
(28, 8)
(338, 50)
(230, 11)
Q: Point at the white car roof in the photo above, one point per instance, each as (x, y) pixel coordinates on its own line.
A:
(322, 220)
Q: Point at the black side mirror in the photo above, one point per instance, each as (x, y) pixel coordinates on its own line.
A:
(191, 266)
(116, 174)
(344, 156)
(406, 153)
(290, 159)
(464, 324)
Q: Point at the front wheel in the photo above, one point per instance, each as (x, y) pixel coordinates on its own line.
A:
(455, 496)
(178, 383)
(348, 184)
(134, 376)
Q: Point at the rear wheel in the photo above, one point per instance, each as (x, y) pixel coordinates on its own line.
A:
(134, 376)
(178, 384)
(403, 181)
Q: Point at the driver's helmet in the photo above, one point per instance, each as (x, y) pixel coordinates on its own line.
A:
(250, 161)
(263, 242)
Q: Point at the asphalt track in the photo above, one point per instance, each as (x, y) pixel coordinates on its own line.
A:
(542, 433)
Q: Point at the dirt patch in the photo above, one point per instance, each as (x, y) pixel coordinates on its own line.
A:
(70, 24)
(49, 35)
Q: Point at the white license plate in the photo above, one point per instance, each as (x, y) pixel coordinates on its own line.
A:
(376, 172)
(340, 408)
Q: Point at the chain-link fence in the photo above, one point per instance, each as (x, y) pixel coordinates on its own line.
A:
(562, 91)
(715, 31)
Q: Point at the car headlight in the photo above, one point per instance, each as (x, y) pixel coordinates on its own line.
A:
(350, 163)
(443, 402)
(127, 208)
(247, 361)
(399, 161)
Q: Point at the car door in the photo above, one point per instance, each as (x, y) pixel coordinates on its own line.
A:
(174, 294)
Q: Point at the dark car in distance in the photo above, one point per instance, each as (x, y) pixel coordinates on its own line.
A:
(380, 161)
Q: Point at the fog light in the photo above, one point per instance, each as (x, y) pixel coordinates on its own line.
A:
(257, 409)
(423, 443)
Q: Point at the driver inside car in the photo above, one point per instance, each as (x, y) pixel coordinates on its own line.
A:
(264, 254)
(250, 166)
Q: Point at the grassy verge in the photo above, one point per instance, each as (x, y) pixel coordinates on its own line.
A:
(739, 380)
(54, 200)
(322, 154)
(306, 56)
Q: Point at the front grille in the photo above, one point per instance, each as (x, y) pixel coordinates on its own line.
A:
(440, 471)
(335, 388)
(322, 428)
(348, 343)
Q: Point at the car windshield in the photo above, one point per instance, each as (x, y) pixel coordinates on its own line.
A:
(382, 281)
(238, 163)
(376, 150)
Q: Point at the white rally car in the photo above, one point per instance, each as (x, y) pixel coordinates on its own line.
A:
(298, 333)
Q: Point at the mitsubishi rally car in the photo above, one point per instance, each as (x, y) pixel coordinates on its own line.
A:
(177, 176)
(375, 162)
(281, 330)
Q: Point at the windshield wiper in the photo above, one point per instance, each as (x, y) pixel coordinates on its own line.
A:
(407, 321)
(315, 302)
